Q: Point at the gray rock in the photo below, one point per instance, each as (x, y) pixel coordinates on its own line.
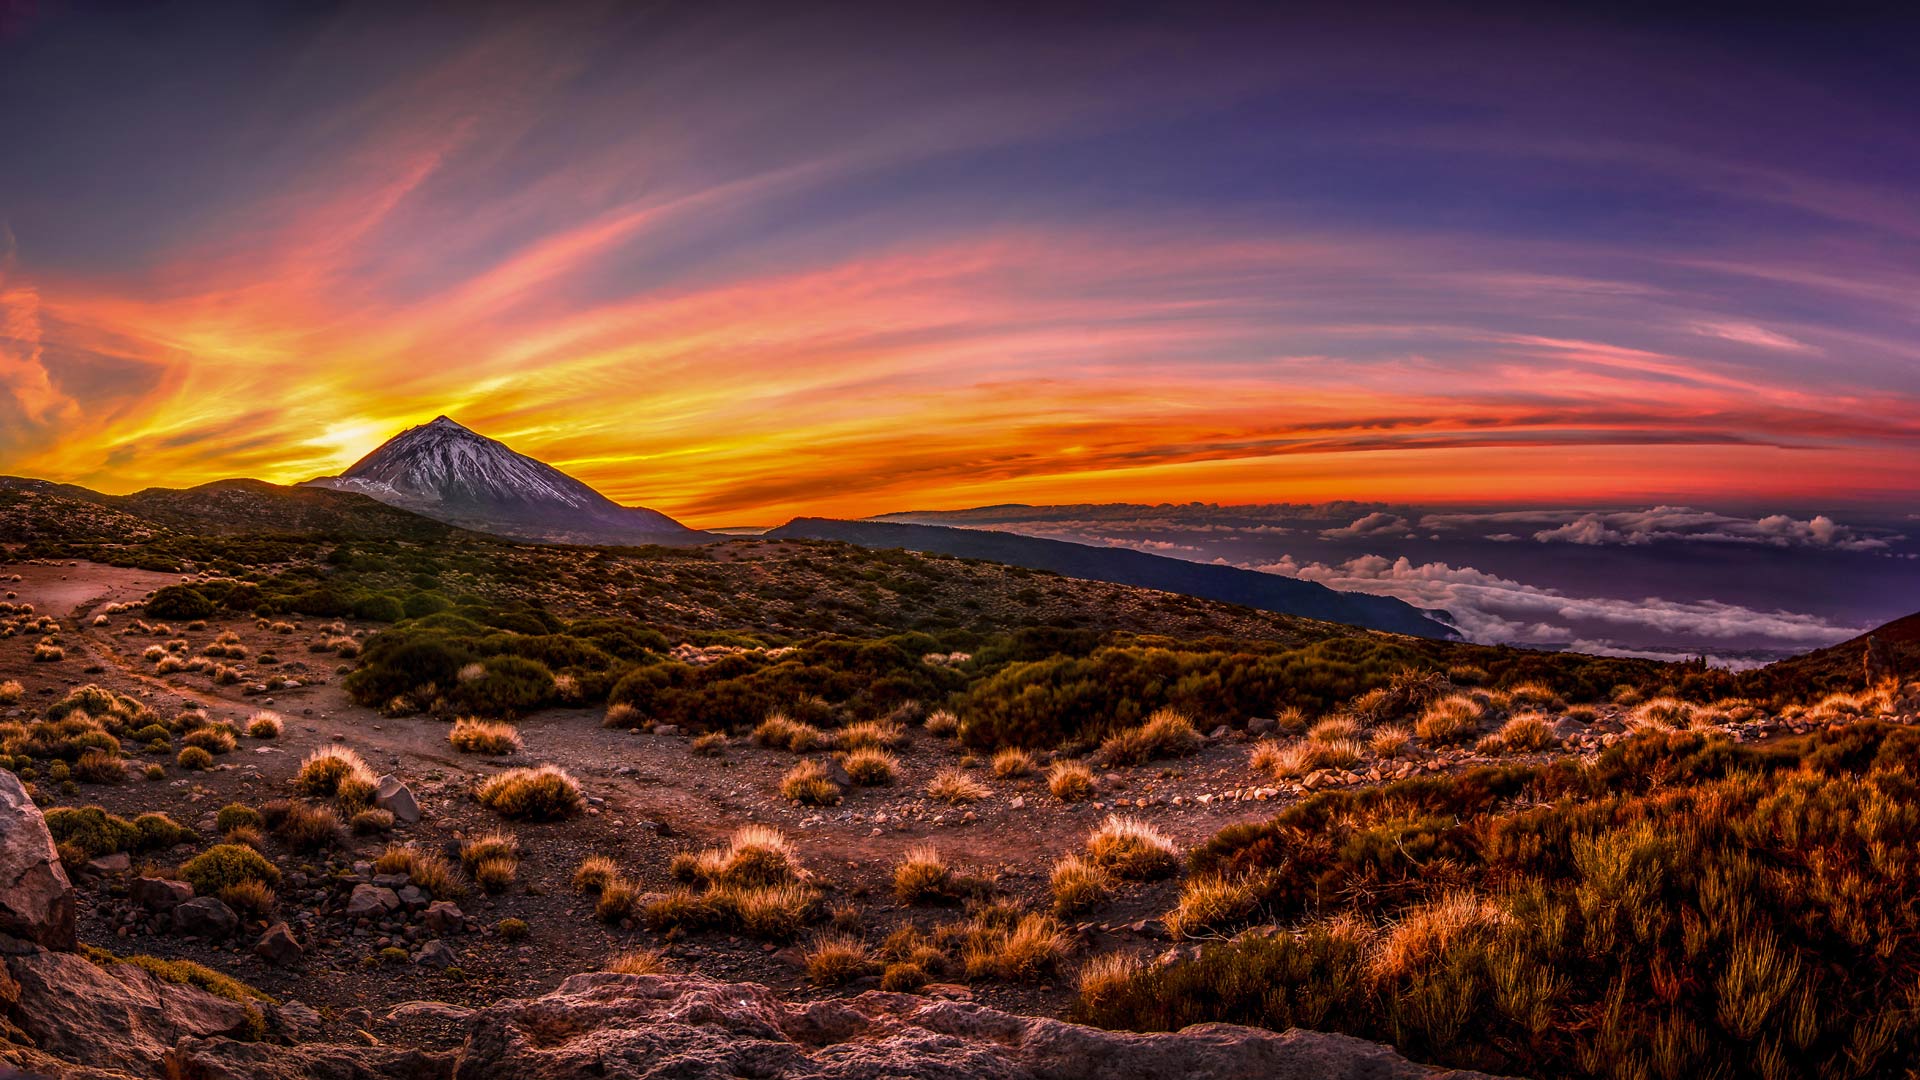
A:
(113, 1016)
(118, 862)
(436, 954)
(36, 899)
(1261, 725)
(205, 916)
(159, 894)
(278, 946)
(371, 902)
(396, 798)
(444, 917)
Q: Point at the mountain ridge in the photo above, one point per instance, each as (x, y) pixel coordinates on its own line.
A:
(1124, 566)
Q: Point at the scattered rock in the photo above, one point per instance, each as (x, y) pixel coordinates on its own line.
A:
(396, 798)
(371, 902)
(205, 916)
(436, 954)
(1261, 725)
(159, 894)
(278, 946)
(114, 1017)
(118, 862)
(444, 917)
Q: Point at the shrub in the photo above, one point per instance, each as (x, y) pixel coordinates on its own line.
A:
(45, 653)
(782, 732)
(1452, 719)
(512, 929)
(1166, 733)
(251, 897)
(1526, 732)
(807, 784)
(157, 830)
(593, 873)
(1213, 903)
(755, 855)
(635, 962)
(247, 836)
(1389, 742)
(213, 738)
(712, 744)
(1132, 849)
(871, 735)
(100, 767)
(495, 876)
(941, 724)
(869, 766)
(179, 602)
(429, 871)
(1078, 884)
(770, 911)
(194, 758)
(1661, 712)
(1012, 762)
(473, 736)
(922, 875)
(836, 960)
(1028, 950)
(1070, 781)
(156, 772)
(325, 770)
(366, 822)
(546, 793)
(955, 786)
(264, 725)
(11, 692)
(92, 830)
(223, 866)
(306, 827)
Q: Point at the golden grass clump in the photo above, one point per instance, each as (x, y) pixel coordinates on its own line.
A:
(1106, 977)
(1662, 712)
(264, 725)
(1013, 762)
(941, 724)
(922, 875)
(306, 827)
(491, 860)
(782, 732)
(711, 744)
(1026, 950)
(955, 786)
(635, 962)
(1389, 742)
(808, 784)
(1452, 719)
(593, 873)
(618, 900)
(213, 738)
(1523, 733)
(545, 793)
(1078, 884)
(471, 735)
(1211, 904)
(870, 766)
(11, 692)
(324, 771)
(428, 870)
(1070, 781)
(251, 897)
(1132, 849)
(871, 735)
(837, 959)
(1334, 729)
(1167, 733)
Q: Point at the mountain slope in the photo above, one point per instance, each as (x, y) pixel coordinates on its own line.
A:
(1264, 592)
(452, 474)
(223, 507)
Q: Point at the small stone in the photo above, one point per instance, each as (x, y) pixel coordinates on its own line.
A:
(437, 955)
(159, 894)
(118, 862)
(369, 901)
(397, 799)
(444, 917)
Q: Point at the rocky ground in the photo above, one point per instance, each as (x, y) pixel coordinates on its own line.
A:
(352, 955)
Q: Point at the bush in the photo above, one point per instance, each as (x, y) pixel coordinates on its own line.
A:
(780, 731)
(213, 738)
(225, 865)
(1078, 885)
(157, 830)
(1070, 781)
(100, 767)
(921, 876)
(324, 771)
(807, 784)
(474, 736)
(546, 793)
(1012, 762)
(1132, 849)
(512, 929)
(305, 827)
(1167, 733)
(955, 786)
(179, 602)
(1452, 719)
(712, 744)
(870, 767)
(836, 960)
(264, 725)
(91, 829)
(593, 873)
(635, 962)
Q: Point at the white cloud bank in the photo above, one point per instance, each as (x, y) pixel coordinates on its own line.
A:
(1625, 528)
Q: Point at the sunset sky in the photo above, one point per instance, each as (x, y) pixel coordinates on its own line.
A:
(740, 263)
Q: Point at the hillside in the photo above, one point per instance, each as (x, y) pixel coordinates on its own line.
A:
(1264, 592)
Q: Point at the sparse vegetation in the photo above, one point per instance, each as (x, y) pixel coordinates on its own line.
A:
(1070, 781)
(475, 736)
(1132, 849)
(807, 783)
(545, 793)
(955, 786)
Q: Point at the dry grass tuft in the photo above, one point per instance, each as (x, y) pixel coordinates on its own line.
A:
(471, 735)
(635, 962)
(782, 732)
(955, 786)
(1455, 718)
(1167, 733)
(545, 793)
(1132, 849)
(324, 771)
(1013, 762)
(870, 766)
(264, 725)
(808, 784)
(1070, 781)
(1078, 884)
(593, 874)
(922, 875)
(837, 959)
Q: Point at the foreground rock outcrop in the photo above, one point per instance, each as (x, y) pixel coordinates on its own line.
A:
(36, 900)
(626, 1027)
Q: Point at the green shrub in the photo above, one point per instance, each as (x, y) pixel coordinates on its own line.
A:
(92, 830)
(179, 602)
(225, 865)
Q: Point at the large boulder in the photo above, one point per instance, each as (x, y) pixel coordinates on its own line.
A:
(115, 1016)
(395, 797)
(36, 899)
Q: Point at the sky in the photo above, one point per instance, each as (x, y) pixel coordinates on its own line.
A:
(739, 263)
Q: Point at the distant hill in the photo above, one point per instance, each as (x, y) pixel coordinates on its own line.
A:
(1839, 667)
(449, 473)
(68, 511)
(1250, 588)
